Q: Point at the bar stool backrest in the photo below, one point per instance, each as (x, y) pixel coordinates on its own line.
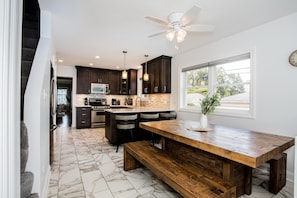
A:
(168, 116)
(126, 117)
(149, 116)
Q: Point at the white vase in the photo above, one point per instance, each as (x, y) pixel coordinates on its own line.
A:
(203, 121)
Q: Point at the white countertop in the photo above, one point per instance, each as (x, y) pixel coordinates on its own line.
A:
(132, 109)
(83, 106)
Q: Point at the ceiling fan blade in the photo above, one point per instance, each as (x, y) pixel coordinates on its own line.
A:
(191, 16)
(199, 28)
(157, 34)
(156, 20)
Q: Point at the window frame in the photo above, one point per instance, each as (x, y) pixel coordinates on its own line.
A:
(219, 111)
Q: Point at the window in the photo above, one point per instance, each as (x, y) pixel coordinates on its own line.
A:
(62, 96)
(230, 77)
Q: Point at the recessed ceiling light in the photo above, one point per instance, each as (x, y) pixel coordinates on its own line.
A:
(91, 64)
(60, 61)
(118, 67)
(138, 67)
(97, 57)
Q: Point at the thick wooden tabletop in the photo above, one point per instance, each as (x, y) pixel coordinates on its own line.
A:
(246, 147)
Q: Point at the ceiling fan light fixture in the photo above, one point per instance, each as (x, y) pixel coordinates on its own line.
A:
(170, 35)
(181, 35)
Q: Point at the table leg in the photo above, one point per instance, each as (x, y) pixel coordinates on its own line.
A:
(278, 170)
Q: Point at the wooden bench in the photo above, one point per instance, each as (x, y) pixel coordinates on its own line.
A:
(186, 179)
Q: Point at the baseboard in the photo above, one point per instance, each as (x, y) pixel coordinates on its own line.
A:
(46, 183)
(290, 176)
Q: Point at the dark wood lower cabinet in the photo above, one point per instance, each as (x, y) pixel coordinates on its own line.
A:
(83, 117)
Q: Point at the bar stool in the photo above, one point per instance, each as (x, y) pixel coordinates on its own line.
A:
(168, 115)
(124, 124)
(148, 117)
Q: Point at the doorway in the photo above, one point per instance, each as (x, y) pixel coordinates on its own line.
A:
(64, 102)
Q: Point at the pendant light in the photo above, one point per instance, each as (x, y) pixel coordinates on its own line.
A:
(145, 75)
(124, 73)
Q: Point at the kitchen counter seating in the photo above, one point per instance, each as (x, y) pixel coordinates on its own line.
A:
(139, 134)
(125, 123)
(148, 117)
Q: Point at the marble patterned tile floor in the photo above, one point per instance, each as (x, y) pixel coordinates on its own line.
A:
(86, 165)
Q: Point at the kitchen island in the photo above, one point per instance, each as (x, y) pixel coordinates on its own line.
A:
(110, 122)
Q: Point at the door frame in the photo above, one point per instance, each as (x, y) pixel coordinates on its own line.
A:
(10, 92)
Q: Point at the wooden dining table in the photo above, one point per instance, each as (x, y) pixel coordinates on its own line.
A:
(227, 152)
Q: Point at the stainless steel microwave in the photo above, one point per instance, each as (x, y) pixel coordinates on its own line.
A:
(98, 88)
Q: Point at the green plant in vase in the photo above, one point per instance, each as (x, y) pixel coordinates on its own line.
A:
(208, 105)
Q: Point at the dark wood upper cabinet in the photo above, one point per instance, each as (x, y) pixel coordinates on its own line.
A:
(114, 81)
(165, 75)
(100, 76)
(129, 86)
(159, 70)
(87, 75)
(132, 74)
(83, 80)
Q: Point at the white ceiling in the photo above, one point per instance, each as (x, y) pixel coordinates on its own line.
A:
(83, 29)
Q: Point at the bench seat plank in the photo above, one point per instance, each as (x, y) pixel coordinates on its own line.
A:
(186, 179)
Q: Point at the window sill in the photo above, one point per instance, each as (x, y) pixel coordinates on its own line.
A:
(220, 112)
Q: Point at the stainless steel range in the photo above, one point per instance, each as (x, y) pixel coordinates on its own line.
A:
(98, 106)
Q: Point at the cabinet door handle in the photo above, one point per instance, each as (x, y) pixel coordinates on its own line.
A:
(164, 89)
(129, 91)
(83, 114)
(83, 122)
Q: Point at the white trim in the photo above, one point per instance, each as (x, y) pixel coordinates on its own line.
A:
(220, 111)
(47, 182)
(10, 75)
(295, 170)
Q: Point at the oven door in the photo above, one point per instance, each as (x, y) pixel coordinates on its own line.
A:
(97, 118)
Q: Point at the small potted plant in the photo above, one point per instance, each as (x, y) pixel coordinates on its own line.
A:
(208, 105)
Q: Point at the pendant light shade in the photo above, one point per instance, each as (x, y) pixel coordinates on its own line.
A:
(124, 73)
(145, 75)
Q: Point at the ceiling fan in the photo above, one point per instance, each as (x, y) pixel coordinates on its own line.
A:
(178, 24)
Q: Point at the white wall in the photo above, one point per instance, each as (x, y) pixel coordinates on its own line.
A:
(276, 79)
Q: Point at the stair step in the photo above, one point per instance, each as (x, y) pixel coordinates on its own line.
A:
(24, 81)
(30, 33)
(30, 43)
(28, 54)
(31, 24)
(31, 16)
(26, 68)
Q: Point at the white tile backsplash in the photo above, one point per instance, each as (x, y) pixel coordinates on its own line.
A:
(152, 100)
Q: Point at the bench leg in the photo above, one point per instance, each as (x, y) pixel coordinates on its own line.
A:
(278, 169)
(130, 162)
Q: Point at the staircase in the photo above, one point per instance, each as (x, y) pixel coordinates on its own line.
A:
(30, 38)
